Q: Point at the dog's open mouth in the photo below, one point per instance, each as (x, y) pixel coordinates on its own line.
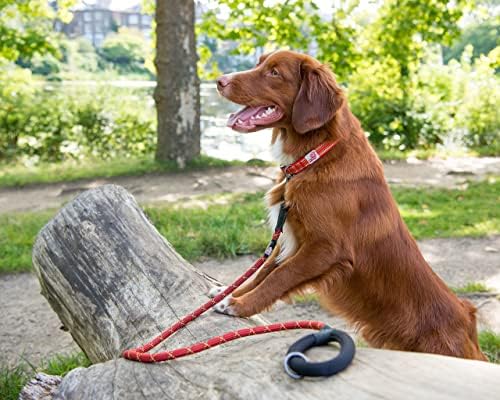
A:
(251, 119)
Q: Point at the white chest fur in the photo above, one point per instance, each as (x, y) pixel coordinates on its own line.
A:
(278, 154)
(287, 240)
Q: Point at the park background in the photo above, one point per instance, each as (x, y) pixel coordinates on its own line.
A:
(77, 104)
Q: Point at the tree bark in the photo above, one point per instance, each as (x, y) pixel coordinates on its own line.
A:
(177, 93)
(115, 283)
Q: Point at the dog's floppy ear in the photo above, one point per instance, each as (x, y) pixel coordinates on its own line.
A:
(318, 99)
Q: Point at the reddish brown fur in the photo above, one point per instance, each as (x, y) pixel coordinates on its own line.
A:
(353, 246)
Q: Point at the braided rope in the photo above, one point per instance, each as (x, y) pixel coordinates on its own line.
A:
(141, 353)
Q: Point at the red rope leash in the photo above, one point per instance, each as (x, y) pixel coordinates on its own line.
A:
(141, 353)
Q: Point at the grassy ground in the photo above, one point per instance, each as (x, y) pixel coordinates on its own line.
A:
(12, 379)
(20, 175)
(490, 345)
(239, 227)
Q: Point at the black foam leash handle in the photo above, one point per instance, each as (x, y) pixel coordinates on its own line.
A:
(297, 364)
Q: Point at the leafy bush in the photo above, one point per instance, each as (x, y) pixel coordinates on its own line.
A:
(456, 102)
(463, 97)
(389, 115)
(16, 90)
(126, 50)
(55, 123)
(483, 37)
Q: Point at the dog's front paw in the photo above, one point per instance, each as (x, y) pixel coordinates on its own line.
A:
(216, 290)
(226, 306)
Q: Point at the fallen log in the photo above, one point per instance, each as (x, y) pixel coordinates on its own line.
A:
(115, 283)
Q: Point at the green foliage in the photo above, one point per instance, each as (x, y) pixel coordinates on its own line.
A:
(405, 26)
(16, 90)
(441, 103)
(126, 50)
(384, 88)
(463, 98)
(481, 114)
(483, 38)
(238, 226)
(12, 379)
(387, 114)
(263, 25)
(26, 27)
(60, 123)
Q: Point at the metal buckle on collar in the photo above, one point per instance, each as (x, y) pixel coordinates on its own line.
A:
(284, 168)
(288, 175)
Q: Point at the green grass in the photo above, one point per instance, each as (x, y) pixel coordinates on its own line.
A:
(226, 230)
(306, 298)
(218, 231)
(431, 213)
(472, 287)
(20, 175)
(490, 345)
(17, 234)
(12, 379)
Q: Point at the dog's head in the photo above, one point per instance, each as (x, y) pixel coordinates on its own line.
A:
(285, 89)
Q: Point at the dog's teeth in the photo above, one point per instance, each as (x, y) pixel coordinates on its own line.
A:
(239, 121)
(258, 117)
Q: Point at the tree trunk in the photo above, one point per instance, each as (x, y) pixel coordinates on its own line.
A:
(115, 283)
(177, 93)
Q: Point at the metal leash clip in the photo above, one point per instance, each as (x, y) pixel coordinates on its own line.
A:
(297, 365)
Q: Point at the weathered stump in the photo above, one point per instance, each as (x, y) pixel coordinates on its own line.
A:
(115, 283)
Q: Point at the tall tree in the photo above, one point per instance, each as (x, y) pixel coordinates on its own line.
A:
(177, 93)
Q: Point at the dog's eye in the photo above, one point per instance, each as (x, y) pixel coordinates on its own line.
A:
(274, 72)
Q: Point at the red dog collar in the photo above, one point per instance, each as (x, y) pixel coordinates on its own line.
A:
(309, 159)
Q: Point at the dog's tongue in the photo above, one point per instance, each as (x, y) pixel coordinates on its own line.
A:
(243, 116)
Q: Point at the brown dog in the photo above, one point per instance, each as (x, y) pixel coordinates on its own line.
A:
(343, 236)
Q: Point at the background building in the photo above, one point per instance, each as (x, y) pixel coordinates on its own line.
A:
(95, 21)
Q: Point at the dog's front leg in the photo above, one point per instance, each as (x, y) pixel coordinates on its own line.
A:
(261, 274)
(308, 264)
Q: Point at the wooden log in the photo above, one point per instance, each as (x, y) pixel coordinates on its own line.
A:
(115, 283)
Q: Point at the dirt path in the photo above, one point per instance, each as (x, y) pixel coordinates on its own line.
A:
(30, 329)
(155, 188)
